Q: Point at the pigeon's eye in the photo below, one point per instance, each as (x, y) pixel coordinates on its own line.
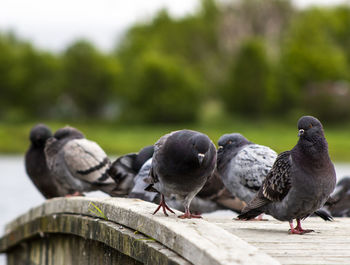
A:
(310, 126)
(229, 142)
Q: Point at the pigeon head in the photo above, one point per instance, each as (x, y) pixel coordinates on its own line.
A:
(312, 141)
(68, 132)
(39, 134)
(232, 141)
(200, 146)
(310, 128)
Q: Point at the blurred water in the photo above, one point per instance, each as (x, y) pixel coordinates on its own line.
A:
(18, 194)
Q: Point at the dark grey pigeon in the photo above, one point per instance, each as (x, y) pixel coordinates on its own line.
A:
(198, 204)
(80, 165)
(124, 169)
(339, 205)
(243, 165)
(300, 180)
(182, 163)
(35, 163)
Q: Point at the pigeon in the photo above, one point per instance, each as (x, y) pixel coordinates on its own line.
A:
(300, 181)
(125, 168)
(339, 205)
(243, 165)
(35, 163)
(79, 165)
(202, 203)
(181, 164)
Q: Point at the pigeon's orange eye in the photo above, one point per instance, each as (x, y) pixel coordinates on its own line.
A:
(310, 126)
(229, 142)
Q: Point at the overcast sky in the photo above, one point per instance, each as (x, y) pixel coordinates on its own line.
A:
(52, 24)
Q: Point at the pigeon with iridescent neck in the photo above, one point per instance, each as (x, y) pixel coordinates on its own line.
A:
(300, 181)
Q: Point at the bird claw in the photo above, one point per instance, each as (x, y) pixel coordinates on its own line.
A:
(298, 231)
(189, 216)
(164, 207)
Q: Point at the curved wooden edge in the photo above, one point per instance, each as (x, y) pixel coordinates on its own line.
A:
(121, 238)
(197, 240)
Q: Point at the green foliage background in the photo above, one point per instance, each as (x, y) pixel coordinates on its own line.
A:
(242, 62)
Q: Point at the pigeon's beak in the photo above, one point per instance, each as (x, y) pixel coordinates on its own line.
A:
(301, 132)
(200, 158)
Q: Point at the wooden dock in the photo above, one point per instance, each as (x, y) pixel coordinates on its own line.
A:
(329, 244)
(67, 231)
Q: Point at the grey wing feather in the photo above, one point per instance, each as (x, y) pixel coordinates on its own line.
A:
(87, 161)
(157, 151)
(57, 165)
(153, 178)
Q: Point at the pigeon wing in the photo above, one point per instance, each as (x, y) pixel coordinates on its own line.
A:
(157, 151)
(87, 161)
(122, 167)
(275, 186)
(278, 182)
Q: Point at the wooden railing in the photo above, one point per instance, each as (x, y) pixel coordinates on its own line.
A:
(74, 231)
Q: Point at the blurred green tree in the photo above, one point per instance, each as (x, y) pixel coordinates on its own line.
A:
(163, 89)
(249, 89)
(90, 79)
(29, 79)
(312, 59)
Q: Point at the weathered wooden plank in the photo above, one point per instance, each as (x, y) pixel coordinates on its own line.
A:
(330, 244)
(58, 249)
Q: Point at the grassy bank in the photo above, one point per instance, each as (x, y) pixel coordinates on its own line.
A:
(121, 139)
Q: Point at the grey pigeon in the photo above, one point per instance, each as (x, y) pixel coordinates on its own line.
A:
(138, 190)
(300, 180)
(339, 205)
(243, 165)
(35, 163)
(182, 163)
(124, 169)
(78, 164)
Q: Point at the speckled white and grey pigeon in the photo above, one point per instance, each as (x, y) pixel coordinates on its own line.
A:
(79, 165)
(243, 165)
(300, 181)
(35, 163)
(182, 163)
